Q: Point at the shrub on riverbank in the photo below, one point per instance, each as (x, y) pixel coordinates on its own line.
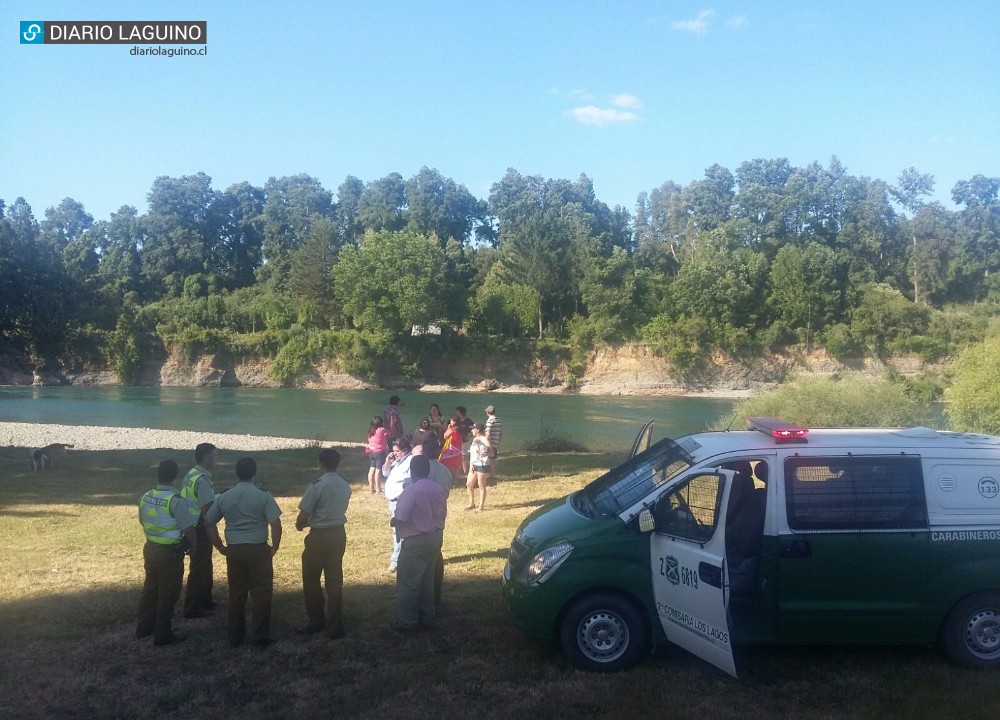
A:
(975, 392)
(847, 402)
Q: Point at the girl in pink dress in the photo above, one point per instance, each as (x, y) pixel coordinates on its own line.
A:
(451, 450)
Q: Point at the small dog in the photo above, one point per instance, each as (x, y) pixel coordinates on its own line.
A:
(50, 455)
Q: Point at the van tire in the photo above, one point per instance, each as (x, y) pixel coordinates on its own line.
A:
(603, 632)
(971, 632)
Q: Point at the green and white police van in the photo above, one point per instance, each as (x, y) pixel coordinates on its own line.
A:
(776, 534)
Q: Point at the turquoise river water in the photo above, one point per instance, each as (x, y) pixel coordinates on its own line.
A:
(597, 422)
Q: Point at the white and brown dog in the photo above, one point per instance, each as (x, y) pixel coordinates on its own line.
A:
(50, 455)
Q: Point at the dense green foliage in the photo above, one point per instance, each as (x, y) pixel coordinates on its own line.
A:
(975, 390)
(850, 402)
(770, 255)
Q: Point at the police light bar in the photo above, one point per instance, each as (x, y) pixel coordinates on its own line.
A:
(781, 431)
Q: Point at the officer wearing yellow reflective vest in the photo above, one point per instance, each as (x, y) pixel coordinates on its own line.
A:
(198, 491)
(165, 519)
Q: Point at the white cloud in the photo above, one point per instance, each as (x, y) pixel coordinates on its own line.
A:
(624, 100)
(698, 26)
(582, 95)
(737, 21)
(593, 115)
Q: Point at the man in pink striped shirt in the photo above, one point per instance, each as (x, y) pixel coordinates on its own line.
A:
(419, 521)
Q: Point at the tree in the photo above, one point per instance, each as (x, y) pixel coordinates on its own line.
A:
(382, 205)
(763, 201)
(391, 281)
(978, 233)
(119, 240)
(805, 288)
(932, 229)
(349, 193)
(909, 191)
(975, 392)
(180, 232)
(436, 205)
(293, 204)
(238, 252)
(62, 225)
(502, 308)
(309, 277)
(724, 286)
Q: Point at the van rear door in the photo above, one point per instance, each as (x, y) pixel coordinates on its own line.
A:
(687, 553)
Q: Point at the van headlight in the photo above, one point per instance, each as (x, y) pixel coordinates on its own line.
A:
(544, 564)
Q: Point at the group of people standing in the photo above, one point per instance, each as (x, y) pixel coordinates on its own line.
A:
(415, 473)
(469, 450)
(178, 522)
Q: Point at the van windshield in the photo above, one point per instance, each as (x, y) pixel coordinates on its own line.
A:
(623, 486)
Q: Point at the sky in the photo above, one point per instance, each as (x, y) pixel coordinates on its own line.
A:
(630, 93)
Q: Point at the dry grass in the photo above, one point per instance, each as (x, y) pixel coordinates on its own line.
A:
(71, 573)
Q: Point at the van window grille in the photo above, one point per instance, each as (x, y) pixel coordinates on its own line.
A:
(692, 510)
(856, 492)
(630, 482)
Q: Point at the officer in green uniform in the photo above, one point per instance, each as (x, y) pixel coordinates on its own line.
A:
(198, 491)
(164, 517)
(249, 512)
(324, 511)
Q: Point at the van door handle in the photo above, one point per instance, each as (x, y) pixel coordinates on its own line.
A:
(710, 574)
(795, 550)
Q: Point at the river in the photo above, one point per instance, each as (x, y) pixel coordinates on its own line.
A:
(597, 422)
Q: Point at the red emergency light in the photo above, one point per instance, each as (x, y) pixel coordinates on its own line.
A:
(781, 431)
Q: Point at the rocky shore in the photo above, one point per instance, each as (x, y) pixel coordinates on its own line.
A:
(33, 435)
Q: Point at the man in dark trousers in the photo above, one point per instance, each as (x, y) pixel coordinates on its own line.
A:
(248, 511)
(324, 511)
(199, 493)
(165, 519)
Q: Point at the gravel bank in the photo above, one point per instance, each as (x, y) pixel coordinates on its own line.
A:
(83, 437)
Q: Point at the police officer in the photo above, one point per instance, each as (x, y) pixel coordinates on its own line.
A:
(164, 517)
(249, 513)
(198, 491)
(324, 511)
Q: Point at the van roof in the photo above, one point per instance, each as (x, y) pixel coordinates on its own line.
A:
(873, 440)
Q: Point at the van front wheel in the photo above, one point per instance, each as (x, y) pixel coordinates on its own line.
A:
(603, 632)
(971, 633)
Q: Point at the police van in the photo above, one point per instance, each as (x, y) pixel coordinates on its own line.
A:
(776, 534)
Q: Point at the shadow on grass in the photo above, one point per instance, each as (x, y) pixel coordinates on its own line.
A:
(498, 554)
(527, 504)
(120, 477)
(35, 513)
(75, 655)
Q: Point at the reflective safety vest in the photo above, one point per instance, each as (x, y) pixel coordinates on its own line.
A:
(188, 492)
(158, 523)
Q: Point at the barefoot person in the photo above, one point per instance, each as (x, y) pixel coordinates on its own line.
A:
(165, 519)
(479, 470)
(324, 511)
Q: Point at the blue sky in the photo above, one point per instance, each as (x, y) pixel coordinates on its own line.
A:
(630, 93)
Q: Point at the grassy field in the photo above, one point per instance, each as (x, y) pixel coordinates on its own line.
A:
(71, 572)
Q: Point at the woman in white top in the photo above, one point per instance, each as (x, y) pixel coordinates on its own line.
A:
(479, 467)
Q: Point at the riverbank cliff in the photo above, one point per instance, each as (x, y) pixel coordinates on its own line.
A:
(625, 370)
